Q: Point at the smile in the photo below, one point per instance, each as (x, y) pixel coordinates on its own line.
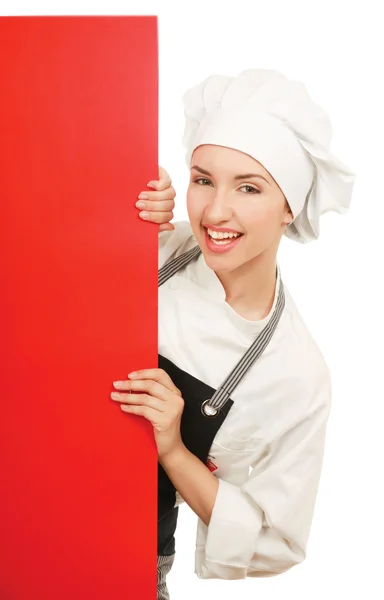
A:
(221, 241)
(224, 236)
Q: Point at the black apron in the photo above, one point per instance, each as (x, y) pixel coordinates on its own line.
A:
(205, 409)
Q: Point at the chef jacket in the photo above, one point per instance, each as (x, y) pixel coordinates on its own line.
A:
(268, 453)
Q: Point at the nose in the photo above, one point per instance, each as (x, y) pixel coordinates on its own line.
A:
(219, 208)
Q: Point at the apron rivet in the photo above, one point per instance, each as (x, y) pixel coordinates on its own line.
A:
(208, 411)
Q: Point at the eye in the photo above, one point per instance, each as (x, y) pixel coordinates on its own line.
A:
(202, 181)
(250, 189)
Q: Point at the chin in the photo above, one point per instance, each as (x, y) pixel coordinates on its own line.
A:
(222, 264)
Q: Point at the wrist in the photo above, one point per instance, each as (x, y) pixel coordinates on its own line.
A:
(174, 456)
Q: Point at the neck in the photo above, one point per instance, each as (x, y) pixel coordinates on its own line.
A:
(250, 289)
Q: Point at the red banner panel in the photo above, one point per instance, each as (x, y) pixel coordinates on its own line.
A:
(78, 306)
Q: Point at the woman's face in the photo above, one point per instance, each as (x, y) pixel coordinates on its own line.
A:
(236, 209)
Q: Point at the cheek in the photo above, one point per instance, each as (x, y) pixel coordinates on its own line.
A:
(195, 203)
(258, 215)
(262, 223)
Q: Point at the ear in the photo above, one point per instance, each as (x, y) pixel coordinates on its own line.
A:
(288, 215)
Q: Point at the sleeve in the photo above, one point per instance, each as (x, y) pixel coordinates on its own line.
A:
(261, 528)
(173, 243)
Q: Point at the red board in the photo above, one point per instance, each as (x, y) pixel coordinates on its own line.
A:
(78, 306)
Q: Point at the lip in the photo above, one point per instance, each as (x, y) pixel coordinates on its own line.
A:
(220, 249)
(223, 229)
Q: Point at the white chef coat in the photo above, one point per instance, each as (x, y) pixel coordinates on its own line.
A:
(269, 450)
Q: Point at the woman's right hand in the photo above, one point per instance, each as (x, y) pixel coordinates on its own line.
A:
(158, 204)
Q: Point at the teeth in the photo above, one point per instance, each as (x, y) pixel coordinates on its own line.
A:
(221, 242)
(221, 235)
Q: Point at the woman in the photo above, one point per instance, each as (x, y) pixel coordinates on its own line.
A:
(241, 400)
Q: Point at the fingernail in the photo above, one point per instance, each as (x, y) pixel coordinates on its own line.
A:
(132, 375)
(140, 204)
(144, 215)
(152, 184)
(117, 384)
(143, 196)
(115, 396)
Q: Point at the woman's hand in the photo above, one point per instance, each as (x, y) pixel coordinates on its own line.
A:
(150, 393)
(157, 206)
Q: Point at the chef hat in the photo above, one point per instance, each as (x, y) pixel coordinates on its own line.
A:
(273, 119)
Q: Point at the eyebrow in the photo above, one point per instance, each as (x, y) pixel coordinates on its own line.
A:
(245, 176)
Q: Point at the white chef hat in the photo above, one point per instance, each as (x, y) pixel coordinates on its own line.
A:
(271, 118)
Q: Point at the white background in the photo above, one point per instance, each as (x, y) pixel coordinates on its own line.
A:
(336, 48)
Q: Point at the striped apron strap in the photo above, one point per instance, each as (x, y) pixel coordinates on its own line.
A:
(212, 406)
(171, 268)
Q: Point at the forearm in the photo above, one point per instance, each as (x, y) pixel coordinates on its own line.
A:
(193, 480)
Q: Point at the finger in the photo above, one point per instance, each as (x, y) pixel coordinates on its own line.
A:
(141, 411)
(163, 182)
(168, 194)
(152, 416)
(158, 375)
(164, 178)
(139, 400)
(156, 217)
(146, 386)
(163, 205)
(166, 227)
